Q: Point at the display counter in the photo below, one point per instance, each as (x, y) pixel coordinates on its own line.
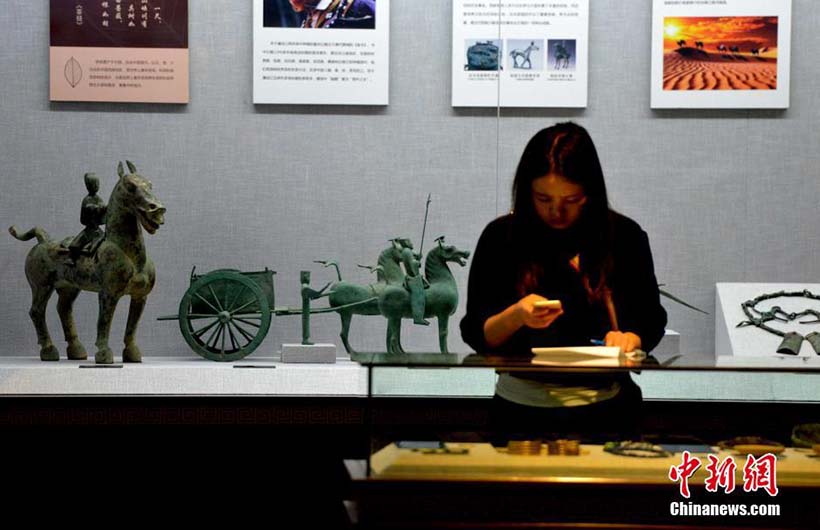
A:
(434, 465)
(796, 467)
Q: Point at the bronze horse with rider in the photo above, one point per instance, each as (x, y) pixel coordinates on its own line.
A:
(392, 296)
(114, 265)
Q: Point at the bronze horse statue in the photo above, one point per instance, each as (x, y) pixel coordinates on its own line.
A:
(119, 267)
(441, 297)
(390, 298)
(365, 297)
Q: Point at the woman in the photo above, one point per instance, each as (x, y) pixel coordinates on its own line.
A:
(563, 242)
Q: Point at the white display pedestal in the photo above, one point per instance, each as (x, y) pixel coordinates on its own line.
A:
(752, 346)
(184, 376)
(309, 353)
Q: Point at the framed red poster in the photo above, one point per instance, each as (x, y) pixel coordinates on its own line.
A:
(133, 51)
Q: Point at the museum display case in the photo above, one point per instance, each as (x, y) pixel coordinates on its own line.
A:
(433, 464)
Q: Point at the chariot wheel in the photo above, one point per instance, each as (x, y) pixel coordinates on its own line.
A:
(224, 316)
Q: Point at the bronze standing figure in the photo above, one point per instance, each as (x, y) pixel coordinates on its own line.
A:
(413, 280)
(119, 267)
(308, 295)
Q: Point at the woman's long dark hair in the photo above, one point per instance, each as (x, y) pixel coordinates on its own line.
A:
(565, 149)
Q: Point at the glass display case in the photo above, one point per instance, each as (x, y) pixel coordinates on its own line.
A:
(440, 460)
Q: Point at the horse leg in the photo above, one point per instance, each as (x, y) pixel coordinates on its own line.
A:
(443, 322)
(108, 303)
(389, 336)
(346, 317)
(399, 348)
(132, 353)
(392, 326)
(397, 337)
(65, 303)
(39, 301)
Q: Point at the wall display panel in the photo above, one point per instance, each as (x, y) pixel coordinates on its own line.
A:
(731, 54)
(520, 54)
(331, 52)
(133, 51)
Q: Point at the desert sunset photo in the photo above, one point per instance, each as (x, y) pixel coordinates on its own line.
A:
(720, 53)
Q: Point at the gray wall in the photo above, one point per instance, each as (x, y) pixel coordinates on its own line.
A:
(724, 195)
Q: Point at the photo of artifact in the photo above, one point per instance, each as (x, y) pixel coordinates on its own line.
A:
(720, 53)
(561, 55)
(526, 54)
(483, 54)
(325, 14)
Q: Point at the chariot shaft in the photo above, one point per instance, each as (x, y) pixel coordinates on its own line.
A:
(284, 311)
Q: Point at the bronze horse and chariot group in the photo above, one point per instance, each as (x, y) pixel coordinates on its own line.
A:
(114, 263)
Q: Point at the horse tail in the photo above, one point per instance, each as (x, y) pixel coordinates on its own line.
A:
(37, 232)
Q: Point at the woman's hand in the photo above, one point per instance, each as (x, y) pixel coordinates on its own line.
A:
(626, 341)
(500, 327)
(536, 317)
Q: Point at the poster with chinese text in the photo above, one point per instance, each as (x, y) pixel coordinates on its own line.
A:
(721, 54)
(520, 53)
(321, 52)
(132, 51)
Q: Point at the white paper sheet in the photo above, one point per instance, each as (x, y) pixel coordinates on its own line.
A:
(578, 356)
(520, 53)
(332, 65)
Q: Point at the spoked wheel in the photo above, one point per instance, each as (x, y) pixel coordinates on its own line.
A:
(224, 316)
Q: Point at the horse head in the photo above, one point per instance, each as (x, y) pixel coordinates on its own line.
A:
(390, 261)
(449, 253)
(133, 193)
(436, 263)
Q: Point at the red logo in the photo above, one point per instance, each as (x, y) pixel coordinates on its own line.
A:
(761, 473)
(720, 474)
(684, 472)
(758, 473)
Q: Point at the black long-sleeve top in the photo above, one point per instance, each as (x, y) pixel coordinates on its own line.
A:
(494, 274)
